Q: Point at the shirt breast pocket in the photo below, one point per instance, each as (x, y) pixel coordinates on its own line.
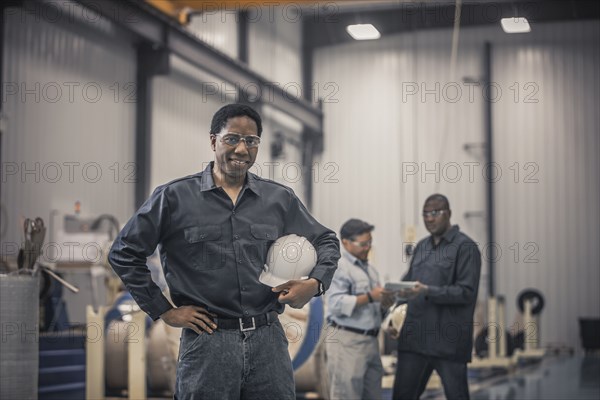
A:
(263, 235)
(263, 232)
(204, 247)
(446, 270)
(360, 286)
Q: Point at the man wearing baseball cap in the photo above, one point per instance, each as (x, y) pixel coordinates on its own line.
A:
(354, 311)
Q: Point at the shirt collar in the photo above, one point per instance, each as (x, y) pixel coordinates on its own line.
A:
(352, 259)
(252, 183)
(208, 182)
(448, 236)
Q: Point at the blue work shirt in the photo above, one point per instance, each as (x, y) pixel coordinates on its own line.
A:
(212, 251)
(353, 278)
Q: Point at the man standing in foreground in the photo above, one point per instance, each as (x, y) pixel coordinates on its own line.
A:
(438, 331)
(354, 311)
(213, 230)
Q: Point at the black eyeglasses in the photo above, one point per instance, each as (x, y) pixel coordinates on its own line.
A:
(233, 139)
(433, 213)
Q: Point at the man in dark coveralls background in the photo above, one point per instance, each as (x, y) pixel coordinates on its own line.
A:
(438, 331)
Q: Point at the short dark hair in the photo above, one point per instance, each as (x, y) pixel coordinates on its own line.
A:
(439, 197)
(355, 227)
(221, 117)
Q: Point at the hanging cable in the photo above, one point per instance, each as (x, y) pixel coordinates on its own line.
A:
(453, 62)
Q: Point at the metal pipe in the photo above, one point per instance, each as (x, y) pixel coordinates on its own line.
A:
(143, 128)
(60, 280)
(487, 79)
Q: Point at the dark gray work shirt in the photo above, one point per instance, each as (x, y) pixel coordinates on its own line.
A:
(440, 324)
(211, 251)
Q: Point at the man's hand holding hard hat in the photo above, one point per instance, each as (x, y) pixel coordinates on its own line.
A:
(290, 260)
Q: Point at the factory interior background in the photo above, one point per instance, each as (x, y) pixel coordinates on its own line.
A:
(103, 101)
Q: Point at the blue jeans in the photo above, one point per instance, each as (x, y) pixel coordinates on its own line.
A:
(230, 364)
(413, 371)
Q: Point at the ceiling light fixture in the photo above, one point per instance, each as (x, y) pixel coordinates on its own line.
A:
(363, 32)
(515, 25)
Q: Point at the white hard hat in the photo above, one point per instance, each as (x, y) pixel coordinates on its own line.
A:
(398, 315)
(289, 257)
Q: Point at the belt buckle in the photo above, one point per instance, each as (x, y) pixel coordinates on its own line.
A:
(253, 327)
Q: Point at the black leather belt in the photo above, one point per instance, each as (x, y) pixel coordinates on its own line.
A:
(247, 323)
(368, 332)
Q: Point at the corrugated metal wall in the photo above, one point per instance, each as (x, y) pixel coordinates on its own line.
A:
(275, 47)
(391, 143)
(182, 112)
(274, 39)
(287, 167)
(396, 129)
(217, 28)
(357, 175)
(69, 119)
(275, 52)
(547, 142)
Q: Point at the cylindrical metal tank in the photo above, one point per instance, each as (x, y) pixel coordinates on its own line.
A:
(19, 351)
(304, 330)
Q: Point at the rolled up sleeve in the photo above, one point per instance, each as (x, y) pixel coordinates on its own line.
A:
(339, 300)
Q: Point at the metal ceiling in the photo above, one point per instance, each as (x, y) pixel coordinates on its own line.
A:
(410, 16)
(180, 9)
(325, 21)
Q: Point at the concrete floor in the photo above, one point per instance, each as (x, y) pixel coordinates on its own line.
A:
(555, 378)
(573, 378)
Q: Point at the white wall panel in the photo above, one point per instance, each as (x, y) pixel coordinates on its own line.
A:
(217, 28)
(394, 148)
(287, 168)
(274, 40)
(68, 118)
(379, 133)
(275, 47)
(275, 52)
(358, 174)
(181, 115)
(551, 129)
